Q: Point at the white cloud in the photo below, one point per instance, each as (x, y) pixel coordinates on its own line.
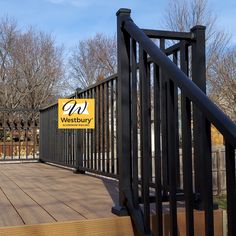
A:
(56, 1)
(76, 3)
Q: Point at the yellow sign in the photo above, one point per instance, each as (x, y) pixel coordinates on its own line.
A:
(76, 113)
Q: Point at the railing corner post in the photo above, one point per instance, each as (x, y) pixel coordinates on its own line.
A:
(201, 127)
(199, 57)
(79, 145)
(41, 136)
(123, 129)
(79, 153)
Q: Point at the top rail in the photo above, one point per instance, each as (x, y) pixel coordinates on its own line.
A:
(168, 34)
(99, 83)
(213, 113)
(112, 77)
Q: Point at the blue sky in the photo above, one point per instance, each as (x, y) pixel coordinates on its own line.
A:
(73, 20)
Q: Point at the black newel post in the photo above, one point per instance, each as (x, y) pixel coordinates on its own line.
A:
(202, 133)
(126, 203)
(123, 129)
(199, 78)
(79, 145)
(41, 133)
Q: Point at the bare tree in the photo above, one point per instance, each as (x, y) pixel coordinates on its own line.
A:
(93, 59)
(31, 67)
(224, 79)
(38, 68)
(181, 15)
(8, 32)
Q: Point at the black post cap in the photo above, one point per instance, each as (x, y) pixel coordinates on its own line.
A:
(201, 27)
(123, 11)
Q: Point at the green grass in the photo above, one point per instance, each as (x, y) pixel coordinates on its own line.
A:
(221, 201)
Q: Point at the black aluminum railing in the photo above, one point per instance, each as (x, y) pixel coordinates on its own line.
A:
(93, 150)
(162, 106)
(56, 146)
(154, 118)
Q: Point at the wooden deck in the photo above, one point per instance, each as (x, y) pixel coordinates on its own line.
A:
(41, 200)
(34, 193)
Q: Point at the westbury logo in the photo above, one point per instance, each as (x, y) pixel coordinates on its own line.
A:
(76, 113)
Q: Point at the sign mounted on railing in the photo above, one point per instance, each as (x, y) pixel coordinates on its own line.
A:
(76, 113)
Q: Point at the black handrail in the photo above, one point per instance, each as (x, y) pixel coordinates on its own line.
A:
(168, 34)
(221, 121)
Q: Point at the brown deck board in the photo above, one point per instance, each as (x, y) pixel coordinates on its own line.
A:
(43, 194)
(27, 208)
(119, 226)
(8, 215)
(58, 210)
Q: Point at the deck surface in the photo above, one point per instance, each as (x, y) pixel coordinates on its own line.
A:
(33, 193)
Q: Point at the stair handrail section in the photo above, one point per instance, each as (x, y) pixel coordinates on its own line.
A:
(162, 84)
